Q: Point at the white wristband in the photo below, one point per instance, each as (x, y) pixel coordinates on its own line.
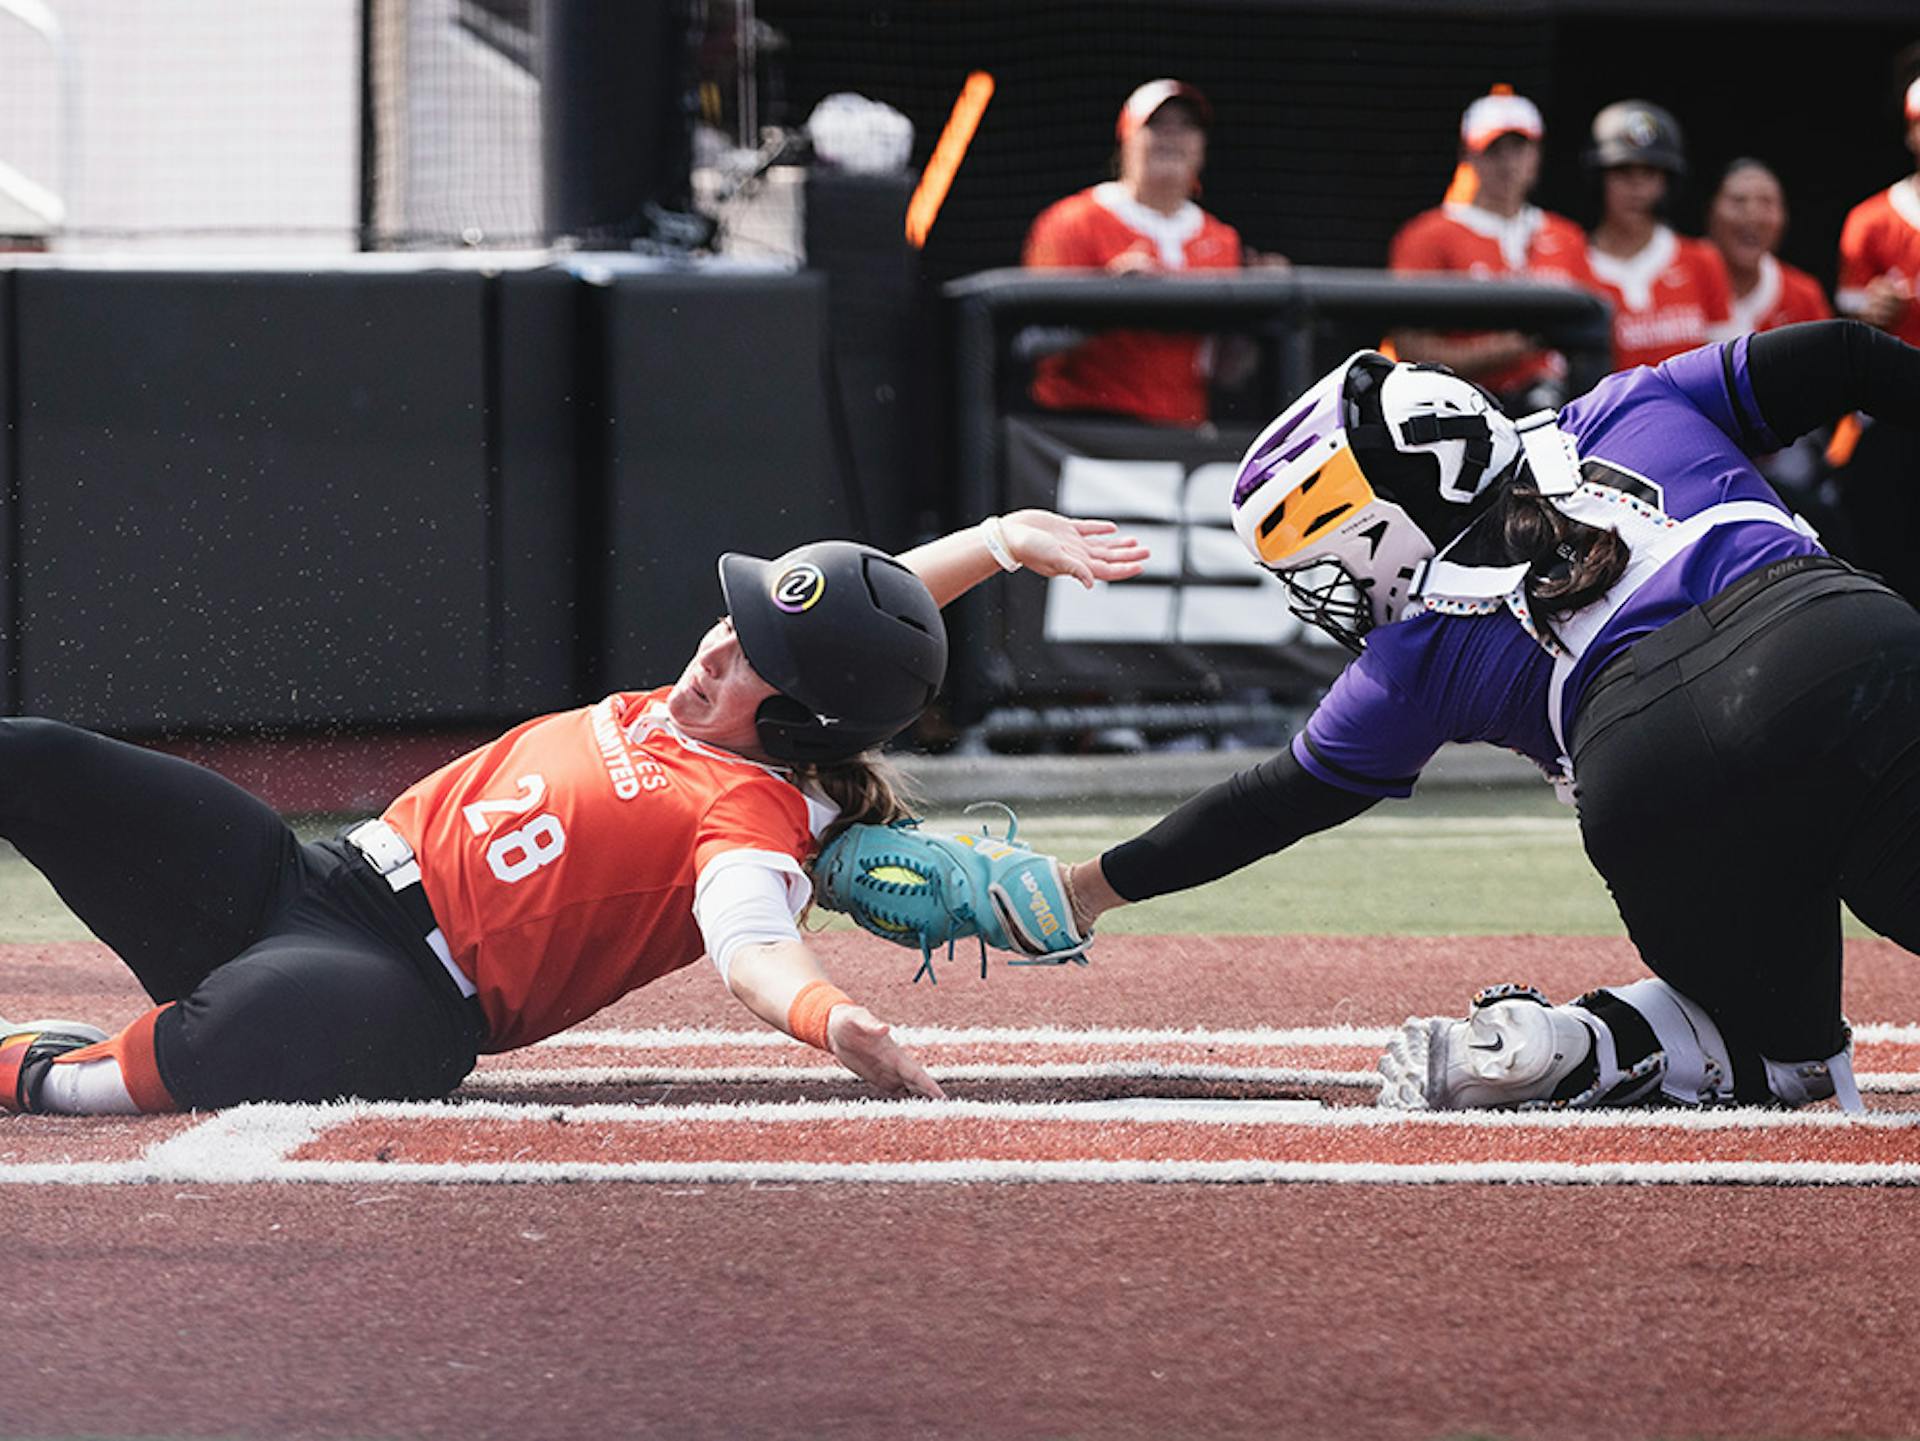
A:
(996, 540)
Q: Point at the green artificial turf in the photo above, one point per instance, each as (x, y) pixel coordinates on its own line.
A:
(1498, 861)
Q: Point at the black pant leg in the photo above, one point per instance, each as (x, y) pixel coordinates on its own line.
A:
(1722, 782)
(342, 997)
(307, 1018)
(174, 867)
(1714, 893)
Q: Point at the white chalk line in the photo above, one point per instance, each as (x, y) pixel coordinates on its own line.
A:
(682, 1038)
(1872, 1082)
(253, 1145)
(358, 1173)
(967, 1071)
(677, 1038)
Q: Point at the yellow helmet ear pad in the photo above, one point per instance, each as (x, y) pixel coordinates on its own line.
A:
(1302, 518)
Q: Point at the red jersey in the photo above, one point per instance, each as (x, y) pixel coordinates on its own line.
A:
(1784, 296)
(1152, 374)
(1672, 296)
(561, 859)
(1532, 245)
(1882, 237)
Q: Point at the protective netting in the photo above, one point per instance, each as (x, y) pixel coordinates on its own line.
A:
(212, 122)
(1331, 126)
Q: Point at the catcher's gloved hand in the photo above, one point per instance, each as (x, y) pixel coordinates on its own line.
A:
(925, 888)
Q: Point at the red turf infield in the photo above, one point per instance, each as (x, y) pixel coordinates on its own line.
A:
(1281, 1312)
(977, 1310)
(1220, 981)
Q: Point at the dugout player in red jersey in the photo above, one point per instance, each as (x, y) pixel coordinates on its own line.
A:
(1669, 293)
(1145, 222)
(524, 886)
(1879, 274)
(1880, 247)
(1745, 220)
(1486, 228)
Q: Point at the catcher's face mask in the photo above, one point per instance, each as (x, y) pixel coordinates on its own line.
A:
(1362, 480)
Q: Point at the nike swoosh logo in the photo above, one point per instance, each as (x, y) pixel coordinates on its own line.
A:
(1499, 1044)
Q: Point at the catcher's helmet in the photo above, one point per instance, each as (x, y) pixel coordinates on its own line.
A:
(1636, 132)
(848, 636)
(1364, 479)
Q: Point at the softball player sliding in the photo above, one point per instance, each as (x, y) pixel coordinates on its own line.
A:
(524, 886)
(1613, 591)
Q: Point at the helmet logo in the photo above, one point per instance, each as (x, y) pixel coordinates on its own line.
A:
(798, 587)
(1642, 129)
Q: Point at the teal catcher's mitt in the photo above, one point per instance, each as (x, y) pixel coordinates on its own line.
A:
(924, 889)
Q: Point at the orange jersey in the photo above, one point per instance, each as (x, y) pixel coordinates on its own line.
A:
(561, 859)
(1672, 296)
(1784, 296)
(1155, 375)
(1882, 238)
(1533, 245)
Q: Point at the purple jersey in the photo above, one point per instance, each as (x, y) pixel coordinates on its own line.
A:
(1688, 426)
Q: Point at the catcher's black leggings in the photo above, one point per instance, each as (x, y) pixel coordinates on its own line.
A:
(298, 976)
(1741, 772)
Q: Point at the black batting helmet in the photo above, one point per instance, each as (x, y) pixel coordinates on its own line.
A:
(846, 634)
(1636, 132)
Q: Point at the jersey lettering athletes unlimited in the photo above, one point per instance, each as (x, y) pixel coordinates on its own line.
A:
(1534, 245)
(561, 859)
(1882, 238)
(1685, 431)
(1783, 296)
(1670, 297)
(1150, 374)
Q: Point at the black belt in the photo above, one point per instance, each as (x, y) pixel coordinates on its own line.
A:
(1669, 656)
(1692, 626)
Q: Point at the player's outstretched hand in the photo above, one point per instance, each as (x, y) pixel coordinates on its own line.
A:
(1088, 550)
(863, 1043)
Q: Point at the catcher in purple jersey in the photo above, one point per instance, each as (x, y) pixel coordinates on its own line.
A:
(1614, 591)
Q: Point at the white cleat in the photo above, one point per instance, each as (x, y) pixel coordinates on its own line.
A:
(1507, 1052)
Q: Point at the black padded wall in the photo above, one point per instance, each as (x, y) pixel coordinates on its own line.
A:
(9, 444)
(251, 499)
(535, 385)
(717, 439)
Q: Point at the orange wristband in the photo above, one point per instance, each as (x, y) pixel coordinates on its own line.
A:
(807, 1016)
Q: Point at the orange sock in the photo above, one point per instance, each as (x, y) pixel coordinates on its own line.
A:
(93, 1090)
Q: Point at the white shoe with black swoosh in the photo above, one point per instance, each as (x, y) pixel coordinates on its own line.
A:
(1513, 1049)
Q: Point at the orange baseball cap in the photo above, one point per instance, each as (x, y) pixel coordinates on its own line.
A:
(1499, 112)
(1142, 104)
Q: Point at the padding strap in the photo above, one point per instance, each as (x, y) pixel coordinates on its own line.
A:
(1429, 429)
(1553, 462)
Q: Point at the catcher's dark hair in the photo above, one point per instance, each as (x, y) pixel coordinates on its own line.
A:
(1571, 564)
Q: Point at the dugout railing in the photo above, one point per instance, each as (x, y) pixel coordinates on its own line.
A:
(1198, 647)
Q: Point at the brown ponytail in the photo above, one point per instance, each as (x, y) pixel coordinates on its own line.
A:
(1571, 564)
(867, 789)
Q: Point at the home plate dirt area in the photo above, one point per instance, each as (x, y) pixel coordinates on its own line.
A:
(1159, 1200)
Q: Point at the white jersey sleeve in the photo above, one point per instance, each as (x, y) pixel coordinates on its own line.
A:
(746, 898)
